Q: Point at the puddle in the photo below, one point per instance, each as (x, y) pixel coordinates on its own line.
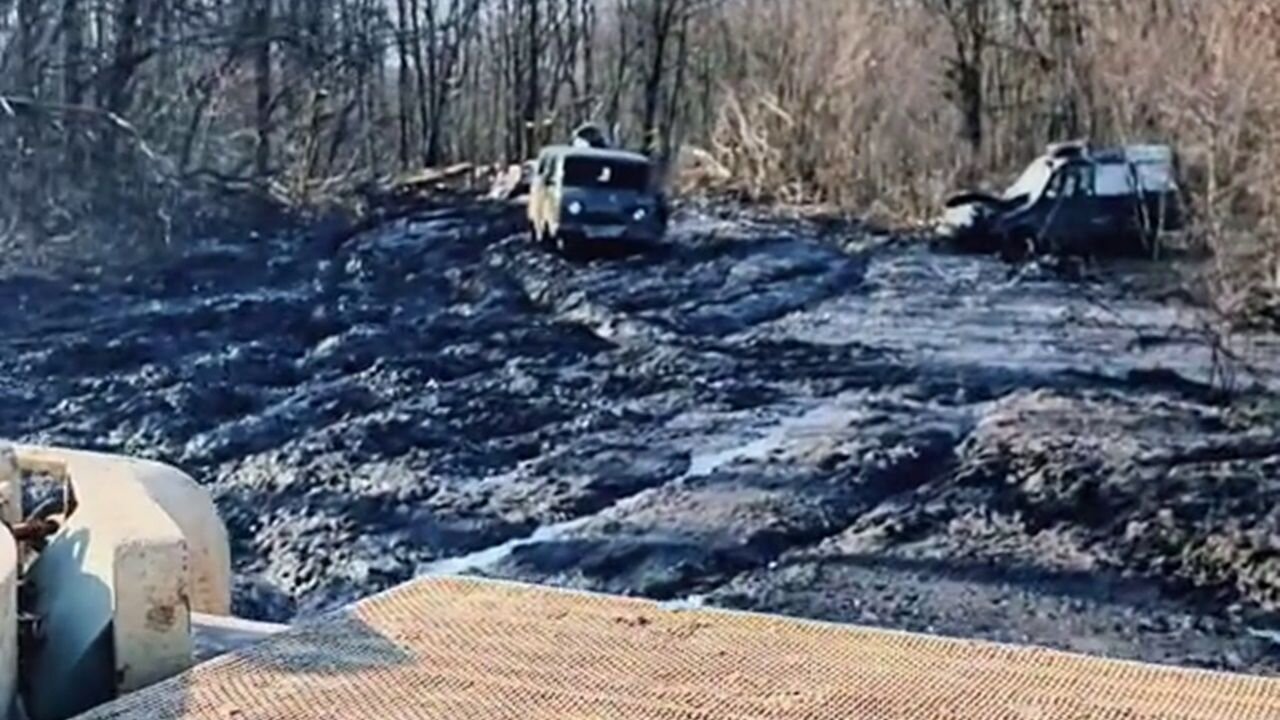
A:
(811, 423)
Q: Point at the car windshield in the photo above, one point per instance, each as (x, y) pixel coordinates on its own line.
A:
(1032, 181)
(589, 172)
(1113, 180)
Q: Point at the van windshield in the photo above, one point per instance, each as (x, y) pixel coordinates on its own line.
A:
(602, 173)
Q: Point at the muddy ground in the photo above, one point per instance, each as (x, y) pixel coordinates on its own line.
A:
(783, 414)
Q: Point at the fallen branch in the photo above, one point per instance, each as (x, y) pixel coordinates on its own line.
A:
(12, 105)
(431, 176)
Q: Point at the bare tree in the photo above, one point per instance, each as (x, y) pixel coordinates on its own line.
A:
(533, 76)
(262, 88)
(404, 69)
(969, 22)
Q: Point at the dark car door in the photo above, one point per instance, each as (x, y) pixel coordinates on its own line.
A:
(1073, 220)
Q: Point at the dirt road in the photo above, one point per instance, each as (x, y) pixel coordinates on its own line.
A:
(777, 414)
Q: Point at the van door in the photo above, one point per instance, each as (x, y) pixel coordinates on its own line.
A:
(540, 197)
(537, 189)
(555, 190)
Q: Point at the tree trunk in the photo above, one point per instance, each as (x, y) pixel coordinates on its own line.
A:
(378, 92)
(659, 29)
(618, 81)
(532, 99)
(115, 94)
(431, 102)
(73, 52)
(126, 58)
(405, 103)
(420, 73)
(513, 79)
(434, 90)
(28, 37)
(1063, 28)
(29, 177)
(262, 88)
(970, 86)
(588, 56)
(73, 83)
(967, 68)
(677, 85)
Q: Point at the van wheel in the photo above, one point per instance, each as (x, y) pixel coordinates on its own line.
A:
(566, 245)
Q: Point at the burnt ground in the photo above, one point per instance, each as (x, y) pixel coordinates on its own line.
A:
(779, 414)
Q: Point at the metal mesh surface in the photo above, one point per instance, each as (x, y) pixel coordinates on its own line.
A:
(459, 649)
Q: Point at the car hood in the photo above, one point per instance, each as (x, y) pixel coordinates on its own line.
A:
(960, 218)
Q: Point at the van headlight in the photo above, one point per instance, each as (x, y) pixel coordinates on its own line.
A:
(639, 214)
(575, 208)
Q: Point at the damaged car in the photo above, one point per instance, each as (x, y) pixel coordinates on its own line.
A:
(1074, 200)
(587, 199)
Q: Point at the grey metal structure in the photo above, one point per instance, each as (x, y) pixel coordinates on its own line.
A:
(468, 648)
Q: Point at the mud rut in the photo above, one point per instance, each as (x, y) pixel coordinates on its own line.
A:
(776, 414)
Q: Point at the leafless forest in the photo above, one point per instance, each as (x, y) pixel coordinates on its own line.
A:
(150, 116)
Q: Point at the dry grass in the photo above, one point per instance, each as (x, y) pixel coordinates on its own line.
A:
(837, 102)
(848, 101)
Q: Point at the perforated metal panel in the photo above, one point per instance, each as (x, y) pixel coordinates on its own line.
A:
(455, 649)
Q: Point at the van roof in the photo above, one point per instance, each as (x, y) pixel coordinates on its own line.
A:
(597, 153)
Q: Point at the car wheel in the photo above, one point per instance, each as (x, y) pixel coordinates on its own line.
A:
(1016, 246)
